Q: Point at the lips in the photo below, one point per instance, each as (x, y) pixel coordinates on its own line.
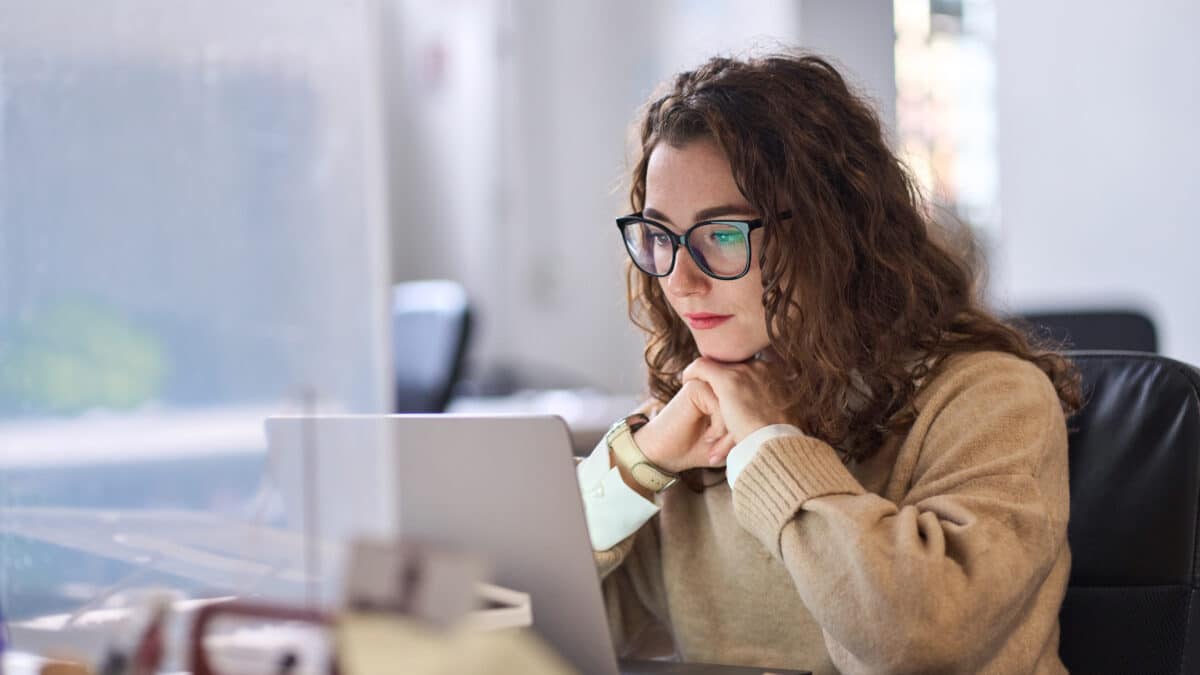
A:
(704, 320)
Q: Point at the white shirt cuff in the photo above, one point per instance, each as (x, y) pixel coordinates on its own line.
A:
(613, 509)
(741, 454)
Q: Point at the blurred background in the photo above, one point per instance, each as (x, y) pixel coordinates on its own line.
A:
(215, 211)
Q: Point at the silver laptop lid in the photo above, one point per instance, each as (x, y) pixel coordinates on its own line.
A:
(502, 487)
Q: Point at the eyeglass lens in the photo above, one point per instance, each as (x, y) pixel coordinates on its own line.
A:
(720, 249)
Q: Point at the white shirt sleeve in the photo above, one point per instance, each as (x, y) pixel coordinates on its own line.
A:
(613, 510)
(741, 454)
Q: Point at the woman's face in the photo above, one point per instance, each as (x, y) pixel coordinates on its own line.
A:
(684, 186)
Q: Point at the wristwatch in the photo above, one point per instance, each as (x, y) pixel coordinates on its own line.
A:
(629, 456)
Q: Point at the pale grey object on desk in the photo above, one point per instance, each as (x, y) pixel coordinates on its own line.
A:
(504, 488)
(427, 583)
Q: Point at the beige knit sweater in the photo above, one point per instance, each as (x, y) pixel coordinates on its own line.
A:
(944, 553)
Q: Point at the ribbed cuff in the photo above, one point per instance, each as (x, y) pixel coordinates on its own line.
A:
(786, 472)
(741, 454)
(607, 561)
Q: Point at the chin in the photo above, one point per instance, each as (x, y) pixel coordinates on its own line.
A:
(727, 354)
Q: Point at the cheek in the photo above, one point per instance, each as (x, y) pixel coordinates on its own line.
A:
(749, 293)
(661, 282)
(750, 300)
(667, 296)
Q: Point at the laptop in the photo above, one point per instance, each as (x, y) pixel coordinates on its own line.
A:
(502, 487)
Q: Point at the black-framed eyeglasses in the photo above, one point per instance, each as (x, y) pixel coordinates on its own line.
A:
(721, 247)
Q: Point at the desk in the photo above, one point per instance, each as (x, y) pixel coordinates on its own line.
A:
(631, 667)
(200, 547)
(26, 664)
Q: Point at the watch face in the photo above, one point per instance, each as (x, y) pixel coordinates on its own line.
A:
(616, 429)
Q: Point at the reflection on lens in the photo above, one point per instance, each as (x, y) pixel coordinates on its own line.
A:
(723, 248)
(650, 247)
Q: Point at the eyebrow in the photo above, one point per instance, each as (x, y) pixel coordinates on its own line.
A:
(705, 214)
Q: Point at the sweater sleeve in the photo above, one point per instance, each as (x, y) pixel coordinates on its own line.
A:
(631, 583)
(938, 581)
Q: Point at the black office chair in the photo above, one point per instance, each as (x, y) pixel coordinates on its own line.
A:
(1132, 604)
(431, 322)
(1123, 329)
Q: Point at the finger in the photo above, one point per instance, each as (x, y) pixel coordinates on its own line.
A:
(697, 369)
(716, 428)
(722, 377)
(704, 398)
(706, 402)
(720, 450)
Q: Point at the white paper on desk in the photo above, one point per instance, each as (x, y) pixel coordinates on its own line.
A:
(259, 650)
(502, 608)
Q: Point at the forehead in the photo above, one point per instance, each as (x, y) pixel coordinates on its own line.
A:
(689, 178)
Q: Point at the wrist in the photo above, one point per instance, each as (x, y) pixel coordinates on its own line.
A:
(650, 443)
(627, 477)
(628, 456)
(645, 440)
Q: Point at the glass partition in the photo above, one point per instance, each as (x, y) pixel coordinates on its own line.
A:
(191, 239)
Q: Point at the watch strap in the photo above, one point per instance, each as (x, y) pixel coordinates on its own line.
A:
(630, 457)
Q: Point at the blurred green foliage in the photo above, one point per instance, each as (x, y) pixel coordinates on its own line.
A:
(72, 355)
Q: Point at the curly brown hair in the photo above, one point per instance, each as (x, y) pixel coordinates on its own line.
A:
(863, 298)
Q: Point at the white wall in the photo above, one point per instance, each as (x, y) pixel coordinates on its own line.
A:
(578, 70)
(507, 130)
(860, 36)
(1100, 159)
(525, 172)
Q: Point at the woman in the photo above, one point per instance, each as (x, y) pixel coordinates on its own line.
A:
(872, 468)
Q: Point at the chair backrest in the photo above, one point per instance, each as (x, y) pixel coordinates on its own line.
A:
(1132, 603)
(1127, 330)
(431, 323)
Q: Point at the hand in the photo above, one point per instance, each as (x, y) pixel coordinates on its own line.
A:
(688, 432)
(742, 393)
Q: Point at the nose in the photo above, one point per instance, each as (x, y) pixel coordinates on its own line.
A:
(686, 278)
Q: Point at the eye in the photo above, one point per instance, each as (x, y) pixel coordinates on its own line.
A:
(727, 237)
(660, 240)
